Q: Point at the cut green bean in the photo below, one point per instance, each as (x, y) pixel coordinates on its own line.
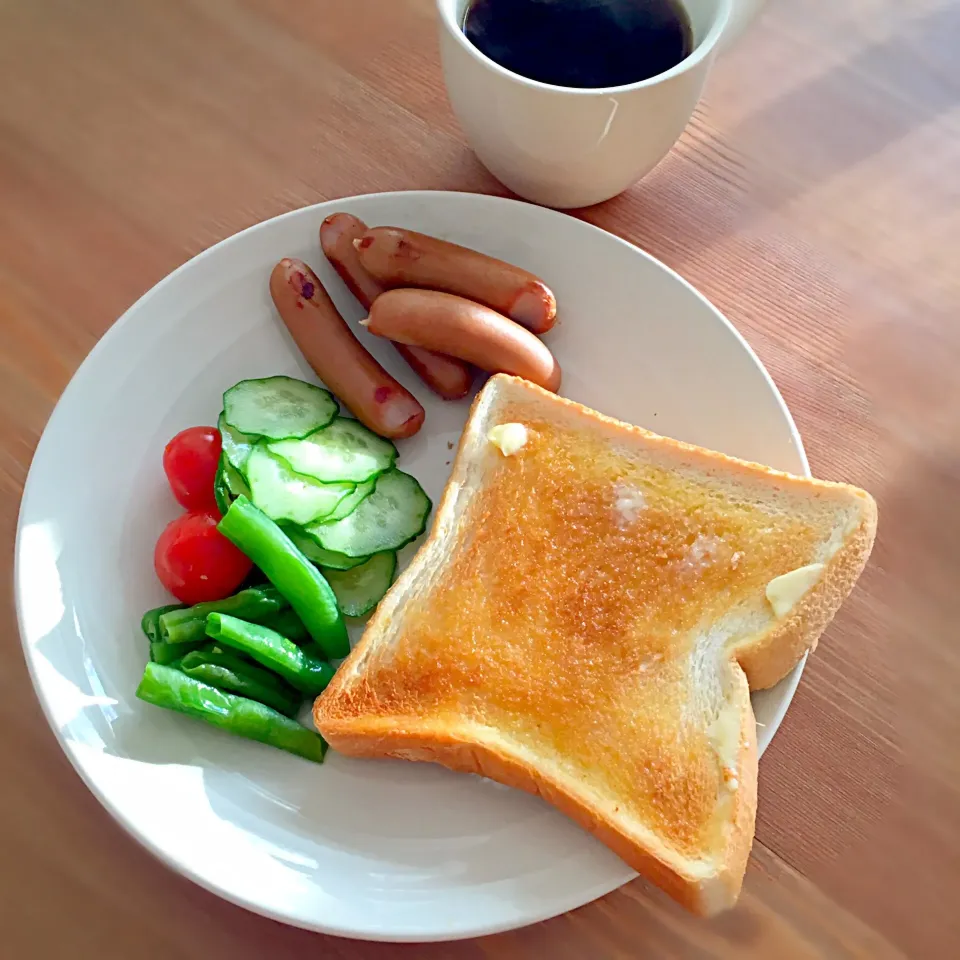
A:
(169, 654)
(173, 690)
(161, 652)
(187, 625)
(150, 621)
(228, 672)
(290, 572)
(298, 667)
(213, 652)
(289, 625)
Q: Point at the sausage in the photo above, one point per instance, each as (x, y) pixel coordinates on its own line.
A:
(337, 234)
(402, 258)
(464, 329)
(338, 357)
(446, 376)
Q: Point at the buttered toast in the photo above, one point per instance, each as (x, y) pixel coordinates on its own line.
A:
(586, 621)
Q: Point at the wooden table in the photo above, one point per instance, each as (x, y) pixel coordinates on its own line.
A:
(815, 199)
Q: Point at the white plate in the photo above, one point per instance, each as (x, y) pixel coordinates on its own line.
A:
(379, 850)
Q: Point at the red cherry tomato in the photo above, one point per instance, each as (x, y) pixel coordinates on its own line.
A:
(190, 462)
(196, 562)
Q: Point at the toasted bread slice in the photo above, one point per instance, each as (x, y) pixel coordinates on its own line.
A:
(586, 620)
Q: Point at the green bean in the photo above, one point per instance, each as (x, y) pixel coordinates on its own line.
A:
(301, 670)
(228, 672)
(187, 625)
(169, 688)
(290, 572)
(150, 621)
(169, 654)
(288, 625)
(216, 653)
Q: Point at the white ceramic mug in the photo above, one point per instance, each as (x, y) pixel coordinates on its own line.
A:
(568, 147)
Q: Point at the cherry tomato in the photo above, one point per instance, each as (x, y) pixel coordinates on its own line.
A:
(196, 562)
(190, 462)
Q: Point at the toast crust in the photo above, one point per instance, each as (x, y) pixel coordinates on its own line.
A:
(344, 715)
(466, 750)
(704, 895)
(768, 659)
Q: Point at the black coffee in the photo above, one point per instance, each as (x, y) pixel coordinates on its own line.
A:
(581, 43)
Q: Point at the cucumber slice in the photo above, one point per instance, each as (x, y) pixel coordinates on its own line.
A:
(221, 493)
(284, 495)
(278, 408)
(236, 485)
(394, 514)
(344, 450)
(316, 554)
(350, 503)
(236, 445)
(359, 590)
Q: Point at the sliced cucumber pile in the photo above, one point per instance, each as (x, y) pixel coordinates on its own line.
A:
(393, 515)
(359, 590)
(345, 450)
(328, 480)
(284, 495)
(278, 408)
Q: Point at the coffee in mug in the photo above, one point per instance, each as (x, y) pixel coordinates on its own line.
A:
(581, 43)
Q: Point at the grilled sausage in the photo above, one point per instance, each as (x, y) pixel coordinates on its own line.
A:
(338, 357)
(464, 329)
(402, 258)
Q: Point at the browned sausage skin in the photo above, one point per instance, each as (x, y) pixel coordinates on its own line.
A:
(338, 357)
(446, 376)
(462, 328)
(403, 258)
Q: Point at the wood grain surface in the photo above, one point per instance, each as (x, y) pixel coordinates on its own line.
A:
(815, 199)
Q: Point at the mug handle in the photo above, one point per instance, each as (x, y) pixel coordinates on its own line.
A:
(744, 12)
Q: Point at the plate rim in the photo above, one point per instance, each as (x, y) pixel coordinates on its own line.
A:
(556, 908)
